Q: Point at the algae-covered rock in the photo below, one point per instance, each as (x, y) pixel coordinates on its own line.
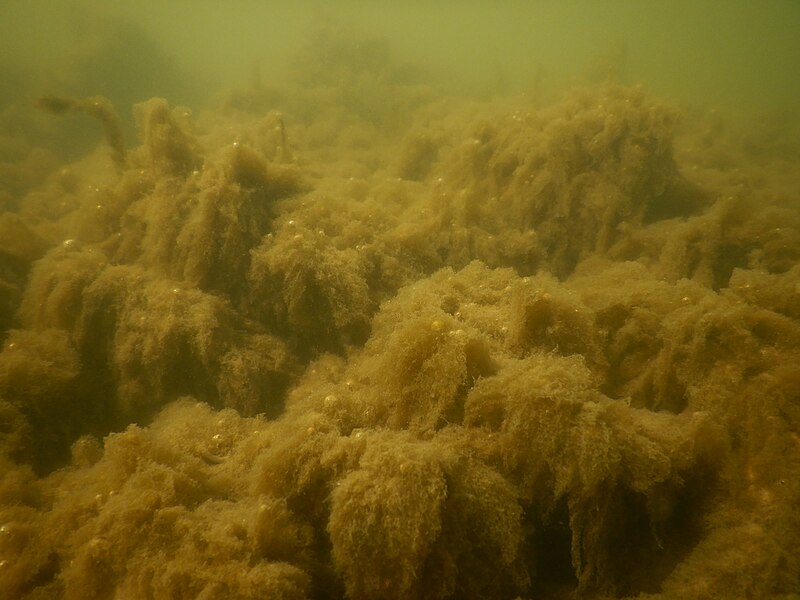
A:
(385, 518)
(131, 523)
(310, 291)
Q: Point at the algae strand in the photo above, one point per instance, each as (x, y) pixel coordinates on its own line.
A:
(97, 107)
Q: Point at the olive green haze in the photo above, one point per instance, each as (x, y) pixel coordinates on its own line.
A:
(737, 54)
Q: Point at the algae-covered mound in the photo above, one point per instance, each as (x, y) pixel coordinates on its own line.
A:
(449, 349)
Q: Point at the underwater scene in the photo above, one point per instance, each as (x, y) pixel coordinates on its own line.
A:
(416, 300)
